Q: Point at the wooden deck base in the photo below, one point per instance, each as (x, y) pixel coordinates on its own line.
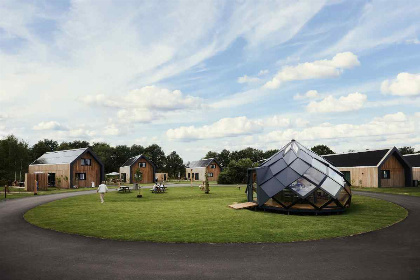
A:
(244, 205)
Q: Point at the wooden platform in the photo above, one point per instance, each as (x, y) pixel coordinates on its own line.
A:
(244, 205)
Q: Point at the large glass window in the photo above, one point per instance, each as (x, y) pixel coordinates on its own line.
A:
(302, 186)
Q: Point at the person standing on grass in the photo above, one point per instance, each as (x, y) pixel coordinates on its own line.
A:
(102, 189)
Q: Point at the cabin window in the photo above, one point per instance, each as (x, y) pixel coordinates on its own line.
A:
(189, 175)
(81, 176)
(213, 166)
(86, 161)
(386, 174)
(196, 177)
(142, 164)
(210, 174)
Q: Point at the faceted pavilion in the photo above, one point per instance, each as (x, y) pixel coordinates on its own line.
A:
(298, 180)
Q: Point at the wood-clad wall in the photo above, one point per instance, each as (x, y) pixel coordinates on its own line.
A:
(216, 171)
(397, 174)
(93, 172)
(30, 181)
(61, 171)
(362, 176)
(416, 173)
(148, 174)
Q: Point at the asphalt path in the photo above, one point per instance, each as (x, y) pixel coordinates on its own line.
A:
(29, 252)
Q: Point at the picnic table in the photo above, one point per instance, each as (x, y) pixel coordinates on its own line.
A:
(124, 189)
(158, 189)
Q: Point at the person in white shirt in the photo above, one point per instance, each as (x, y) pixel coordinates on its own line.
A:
(102, 189)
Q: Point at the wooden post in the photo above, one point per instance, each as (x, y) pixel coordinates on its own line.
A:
(5, 187)
(191, 177)
(36, 185)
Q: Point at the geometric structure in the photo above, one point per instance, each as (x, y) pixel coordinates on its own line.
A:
(298, 180)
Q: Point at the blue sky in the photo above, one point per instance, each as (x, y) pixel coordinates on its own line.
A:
(194, 76)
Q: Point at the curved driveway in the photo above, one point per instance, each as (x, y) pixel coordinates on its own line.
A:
(29, 252)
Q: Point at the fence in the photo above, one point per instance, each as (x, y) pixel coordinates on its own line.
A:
(42, 179)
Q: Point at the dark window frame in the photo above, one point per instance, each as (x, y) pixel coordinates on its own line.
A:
(213, 166)
(386, 174)
(86, 162)
(142, 165)
(210, 174)
(78, 176)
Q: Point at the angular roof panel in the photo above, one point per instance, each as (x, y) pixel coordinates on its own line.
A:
(201, 163)
(368, 158)
(413, 159)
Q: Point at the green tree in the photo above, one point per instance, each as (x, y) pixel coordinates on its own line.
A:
(255, 155)
(224, 158)
(269, 153)
(406, 150)
(136, 150)
(206, 184)
(155, 153)
(236, 171)
(107, 155)
(76, 144)
(211, 154)
(174, 165)
(322, 150)
(120, 155)
(14, 159)
(42, 147)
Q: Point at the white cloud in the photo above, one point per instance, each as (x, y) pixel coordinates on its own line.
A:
(386, 126)
(51, 125)
(314, 70)
(263, 72)
(405, 84)
(137, 116)
(4, 117)
(248, 79)
(308, 95)
(351, 102)
(277, 121)
(227, 127)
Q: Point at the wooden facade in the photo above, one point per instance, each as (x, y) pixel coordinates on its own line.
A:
(213, 170)
(162, 177)
(392, 170)
(362, 176)
(30, 183)
(65, 175)
(416, 173)
(147, 168)
(93, 171)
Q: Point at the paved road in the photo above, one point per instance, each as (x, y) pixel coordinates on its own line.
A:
(28, 252)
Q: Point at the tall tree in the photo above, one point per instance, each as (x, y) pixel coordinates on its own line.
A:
(136, 150)
(269, 153)
(254, 155)
(236, 171)
(42, 147)
(211, 154)
(107, 155)
(322, 150)
(14, 159)
(121, 154)
(224, 158)
(406, 150)
(76, 144)
(174, 165)
(155, 153)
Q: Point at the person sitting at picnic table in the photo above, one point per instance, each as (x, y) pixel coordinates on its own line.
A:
(155, 188)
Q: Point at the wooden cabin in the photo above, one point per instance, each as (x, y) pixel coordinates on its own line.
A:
(162, 177)
(376, 169)
(197, 169)
(414, 160)
(142, 163)
(77, 167)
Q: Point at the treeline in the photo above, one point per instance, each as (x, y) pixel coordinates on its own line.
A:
(16, 155)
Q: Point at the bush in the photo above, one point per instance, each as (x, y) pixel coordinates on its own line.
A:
(236, 172)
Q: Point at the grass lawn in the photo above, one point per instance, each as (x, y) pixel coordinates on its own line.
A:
(414, 191)
(185, 214)
(19, 193)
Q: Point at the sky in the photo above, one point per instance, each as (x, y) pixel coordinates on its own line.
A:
(194, 76)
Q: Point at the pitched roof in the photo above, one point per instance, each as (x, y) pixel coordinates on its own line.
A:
(367, 158)
(59, 157)
(132, 160)
(413, 159)
(201, 163)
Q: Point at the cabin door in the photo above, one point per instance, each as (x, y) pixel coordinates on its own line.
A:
(124, 177)
(51, 179)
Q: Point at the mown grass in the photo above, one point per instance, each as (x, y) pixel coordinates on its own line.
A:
(185, 214)
(413, 191)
